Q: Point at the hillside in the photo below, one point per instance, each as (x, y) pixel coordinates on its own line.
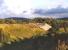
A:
(17, 18)
(13, 32)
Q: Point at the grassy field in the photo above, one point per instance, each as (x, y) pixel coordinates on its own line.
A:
(14, 32)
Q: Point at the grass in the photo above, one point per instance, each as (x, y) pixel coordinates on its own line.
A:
(14, 32)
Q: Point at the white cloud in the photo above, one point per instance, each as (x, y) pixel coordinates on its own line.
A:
(49, 3)
(17, 6)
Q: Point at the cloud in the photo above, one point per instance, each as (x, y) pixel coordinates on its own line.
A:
(23, 7)
(1, 2)
(57, 10)
(49, 3)
(17, 6)
(14, 7)
(39, 11)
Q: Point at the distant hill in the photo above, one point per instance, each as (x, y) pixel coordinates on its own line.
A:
(18, 19)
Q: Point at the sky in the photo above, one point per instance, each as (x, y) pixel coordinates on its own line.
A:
(18, 7)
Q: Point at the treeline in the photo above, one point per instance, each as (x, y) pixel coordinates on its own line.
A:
(34, 20)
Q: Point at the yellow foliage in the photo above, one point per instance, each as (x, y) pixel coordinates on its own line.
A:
(61, 30)
(16, 31)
